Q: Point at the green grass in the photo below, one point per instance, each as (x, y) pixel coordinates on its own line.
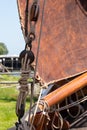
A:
(8, 97)
(8, 94)
(7, 107)
(7, 114)
(9, 78)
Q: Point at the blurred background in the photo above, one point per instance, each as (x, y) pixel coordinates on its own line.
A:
(10, 29)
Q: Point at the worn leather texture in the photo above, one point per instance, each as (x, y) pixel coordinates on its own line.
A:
(63, 44)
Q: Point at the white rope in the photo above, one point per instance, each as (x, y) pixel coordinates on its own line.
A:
(35, 110)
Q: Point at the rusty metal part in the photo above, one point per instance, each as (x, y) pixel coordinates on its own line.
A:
(64, 39)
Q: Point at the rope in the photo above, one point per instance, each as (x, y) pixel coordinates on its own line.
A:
(26, 18)
(68, 111)
(60, 120)
(81, 117)
(38, 48)
(32, 32)
(73, 104)
(35, 111)
(25, 70)
(37, 55)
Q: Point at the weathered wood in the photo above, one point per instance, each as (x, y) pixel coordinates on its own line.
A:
(66, 90)
(9, 82)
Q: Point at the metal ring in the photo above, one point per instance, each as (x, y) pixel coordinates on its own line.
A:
(32, 36)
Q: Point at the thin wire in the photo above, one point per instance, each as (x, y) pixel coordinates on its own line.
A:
(73, 104)
(38, 48)
(35, 110)
(37, 55)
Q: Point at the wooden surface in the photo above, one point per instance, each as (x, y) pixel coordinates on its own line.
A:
(66, 90)
(64, 39)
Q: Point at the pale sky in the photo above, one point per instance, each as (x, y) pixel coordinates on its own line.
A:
(10, 29)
